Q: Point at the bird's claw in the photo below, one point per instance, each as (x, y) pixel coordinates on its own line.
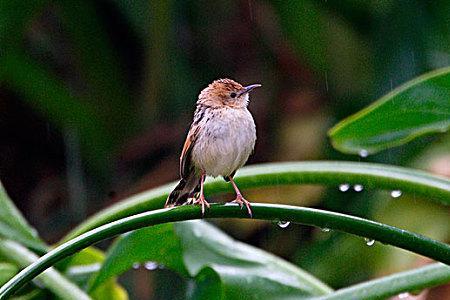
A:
(202, 201)
(241, 201)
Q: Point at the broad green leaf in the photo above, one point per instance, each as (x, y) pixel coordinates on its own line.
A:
(14, 226)
(245, 271)
(419, 107)
(7, 271)
(208, 285)
(201, 251)
(153, 244)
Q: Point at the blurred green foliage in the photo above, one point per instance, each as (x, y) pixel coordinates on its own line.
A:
(120, 79)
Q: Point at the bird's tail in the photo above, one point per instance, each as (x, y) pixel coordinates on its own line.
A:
(184, 190)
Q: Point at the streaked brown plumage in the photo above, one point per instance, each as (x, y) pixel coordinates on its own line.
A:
(219, 141)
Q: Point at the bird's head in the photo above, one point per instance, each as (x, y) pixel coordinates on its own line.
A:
(226, 92)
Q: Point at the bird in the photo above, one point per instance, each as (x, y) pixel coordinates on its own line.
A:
(220, 140)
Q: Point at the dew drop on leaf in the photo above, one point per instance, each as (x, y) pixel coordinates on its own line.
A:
(136, 265)
(363, 153)
(325, 229)
(358, 188)
(151, 265)
(396, 193)
(344, 187)
(283, 224)
(369, 242)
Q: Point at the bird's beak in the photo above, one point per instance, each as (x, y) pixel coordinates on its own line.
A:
(248, 88)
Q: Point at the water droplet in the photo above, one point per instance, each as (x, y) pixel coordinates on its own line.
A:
(325, 229)
(151, 265)
(344, 187)
(369, 242)
(283, 224)
(358, 188)
(403, 295)
(396, 193)
(136, 265)
(363, 153)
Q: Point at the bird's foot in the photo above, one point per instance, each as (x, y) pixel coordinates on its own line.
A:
(241, 201)
(202, 201)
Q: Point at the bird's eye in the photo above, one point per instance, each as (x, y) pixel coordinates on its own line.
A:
(233, 95)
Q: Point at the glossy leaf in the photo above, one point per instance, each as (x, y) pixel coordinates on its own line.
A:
(154, 244)
(419, 107)
(199, 250)
(245, 271)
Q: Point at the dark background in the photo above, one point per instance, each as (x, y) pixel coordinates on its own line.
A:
(96, 98)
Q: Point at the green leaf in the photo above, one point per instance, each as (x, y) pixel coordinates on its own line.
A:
(110, 290)
(233, 268)
(153, 244)
(51, 279)
(245, 271)
(84, 265)
(7, 271)
(419, 107)
(208, 286)
(308, 216)
(14, 226)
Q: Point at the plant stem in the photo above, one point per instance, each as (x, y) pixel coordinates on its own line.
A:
(412, 280)
(325, 219)
(51, 279)
(372, 176)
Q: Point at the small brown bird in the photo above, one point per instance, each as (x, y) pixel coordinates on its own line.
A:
(220, 140)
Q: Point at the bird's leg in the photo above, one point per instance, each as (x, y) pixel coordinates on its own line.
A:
(239, 199)
(201, 199)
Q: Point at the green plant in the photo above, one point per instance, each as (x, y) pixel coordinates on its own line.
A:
(222, 268)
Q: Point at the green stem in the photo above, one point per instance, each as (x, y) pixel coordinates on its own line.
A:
(336, 221)
(372, 176)
(51, 279)
(412, 280)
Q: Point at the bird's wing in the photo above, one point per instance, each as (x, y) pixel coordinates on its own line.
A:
(185, 158)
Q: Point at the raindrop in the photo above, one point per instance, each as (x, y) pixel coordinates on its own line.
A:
(326, 81)
(136, 265)
(151, 265)
(283, 224)
(325, 229)
(358, 188)
(403, 295)
(363, 153)
(369, 242)
(396, 193)
(344, 187)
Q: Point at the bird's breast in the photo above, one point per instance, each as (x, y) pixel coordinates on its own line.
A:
(226, 140)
